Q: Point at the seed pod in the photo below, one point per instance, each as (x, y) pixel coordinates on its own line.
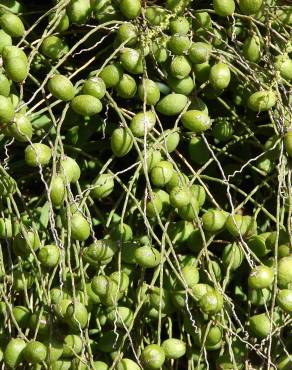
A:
(37, 154)
(250, 7)
(172, 104)
(111, 75)
(103, 186)
(86, 105)
(78, 11)
(142, 123)
(196, 121)
(262, 101)
(61, 88)
(21, 128)
(95, 86)
(224, 8)
(220, 76)
(121, 142)
(12, 25)
(148, 91)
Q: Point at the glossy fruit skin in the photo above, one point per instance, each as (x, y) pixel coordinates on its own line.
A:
(6, 109)
(148, 91)
(214, 220)
(111, 74)
(232, 256)
(53, 47)
(183, 86)
(161, 173)
(5, 40)
(61, 88)
(103, 186)
(237, 225)
(172, 104)
(196, 121)
(21, 315)
(121, 142)
(259, 325)
(220, 76)
(190, 275)
(224, 8)
(173, 348)
(4, 85)
(70, 170)
(153, 205)
(86, 105)
(12, 25)
(131, 60)
(94, 86)
(78, 11)
(125, 364)
(72, 343)
(262, 101)
(199, 193)
(180, 67)
(37, 154)
(120, 316)
(76, 315)
(261, 277)
(250, 7)
(252, 49)
(21, 127)
(284, 300)
(179, 25)
(127, 34)
(80, 229)
(147, 257)
(222, 131)
(172, 139)
(285, 271)
(211, 302)
(200, 52)
(49, 256)
(35, 352)
(100, 250)
(130, 8)
(178, 44)
(15, 63)
(142, 123)
(57, 190)
(153, 357)
(13, 353)
(179, 197)
(126, 88)
(190, 211)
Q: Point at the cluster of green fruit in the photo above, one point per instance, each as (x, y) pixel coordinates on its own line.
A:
(145, 187)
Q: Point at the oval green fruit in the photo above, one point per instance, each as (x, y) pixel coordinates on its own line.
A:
(172, 104)
(259, 325)
(70, 170)
(179, 196)
(147, 257)
(127, 34)
(220, 76)
(252, 49)
(21, 127)
(57, 190)
(190, 211)
(200, 52)
(260, 277)
(78, 11)
(198, 150)
(250, 7)
(80, 229)
(173, 348)
(161, 173)
(130, 8)
(148, 92)
(179, 25)
(102, 186)
(12, 25)
(5, 40)
(183, 86)
(126, 88)
(111, 75)
(232, 256)
(35, 352)
(153, 205)
(214, 220)
(131, 60)
(142, 123)
(211, 302)
(224, 8)
(262, 101)
(53, 47)
(284, 300)
(61, 88)
(72, 344)
(49, 255)
(76, 315)
(13, 353)
(179, 44)
(37, 154)
(180, 67)
(196, 121)
(6, 109)
(121, 142)
(21, 315)
(86, 105)
(4, 85)
(95, 86)
(153, 357)
(284, 271)
(283, 64)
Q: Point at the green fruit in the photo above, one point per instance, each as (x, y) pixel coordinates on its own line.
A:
(211, 302)
(190, 275)
(120, 316)
(127, 34)
(257, 244)
(190, 211)
(130, 8)
(224, 8)
(49, 256)
(53, 47)
(148, 92)
(153, 205)
(57, 190)
(142, 123)
(179, 25)
(103, 186)
(86, 105)
(76, 315)
(202, 71)
(126, 364)
(214, 220)
(95, 86)
(220, 76)
(259, 325)
(15, 63)
(100, 365)
(70, 170)
(172, 104)
(147, 257)
(111, 75)
(262, 101)
(61, 88)
(72, 344)
(131, 60)
(5, 40)
(171, 140)
(200, 52)
(35, 352)
(80, 229)
(179, 44)
(252, 49)
(121, 142)
(161, 173)
(284, 65)
(6, 109)
(199, 193)
(4, 85)
(155, 15)
(126, 88)
(285, 363)
(78, 11)
(232, 256)
(284, 271)
(196, 121)
(61, 21)
(153, 357)
(100, 250)
(121, 279)
(179, 197)
(122, 233)
(37, 154)
(20, 128)
(250, 7)
(11, 52)
(13, 353)
(7, 228)
(260, 277)
(284, 300)
(198, 150)
(54, 350)
(173, 348)
(259, 297)
(180, 67)
(183, 86)
(237, 225)
(222, 131)
(21, 315)
(12, 25)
